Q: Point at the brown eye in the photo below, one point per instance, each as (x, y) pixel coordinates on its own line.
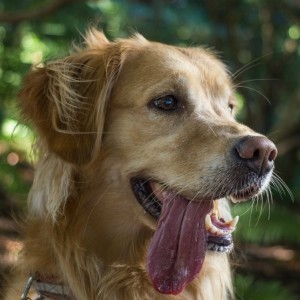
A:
(230, 107)
(166, 103)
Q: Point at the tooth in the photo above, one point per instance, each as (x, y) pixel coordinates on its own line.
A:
(216, 208)
(208, 223)
(232, 223)
(211, 228)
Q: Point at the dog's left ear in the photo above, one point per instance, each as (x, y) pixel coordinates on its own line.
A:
(66, 100)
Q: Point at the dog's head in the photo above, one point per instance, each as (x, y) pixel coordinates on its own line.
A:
(150, 128)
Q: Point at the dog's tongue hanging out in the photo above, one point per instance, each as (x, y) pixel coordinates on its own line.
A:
(177, 249)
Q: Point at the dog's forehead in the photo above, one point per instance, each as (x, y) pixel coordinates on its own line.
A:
(158, 66)
(198, 61)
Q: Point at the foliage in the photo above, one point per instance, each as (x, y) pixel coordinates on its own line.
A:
(257, 39)
(251, 289)
(267, 225)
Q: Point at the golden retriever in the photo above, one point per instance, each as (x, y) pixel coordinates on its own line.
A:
(139, 152)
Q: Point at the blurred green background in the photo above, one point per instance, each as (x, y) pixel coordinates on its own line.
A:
(257, 39)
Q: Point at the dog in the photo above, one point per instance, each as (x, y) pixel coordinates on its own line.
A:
(139, 153)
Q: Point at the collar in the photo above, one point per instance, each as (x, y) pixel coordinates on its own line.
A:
(47, 287)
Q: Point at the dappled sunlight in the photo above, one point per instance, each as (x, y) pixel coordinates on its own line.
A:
(279, 253)
(10, 244)
(9, 250)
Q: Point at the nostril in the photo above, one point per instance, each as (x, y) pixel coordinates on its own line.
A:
(256, 153)
(272, 155)
(247, 148)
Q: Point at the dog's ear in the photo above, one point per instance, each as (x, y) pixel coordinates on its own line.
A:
(66, 100)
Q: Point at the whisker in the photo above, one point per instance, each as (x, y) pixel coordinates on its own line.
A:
(249, 66)
(255, 90)
(97, 202)
(251, 211)
(284, 186)
(254, 80)
(277, 187)
(246, 211)
(270, 192)
(211, 129)
(242, 70)
(268, 200)
(271, 201)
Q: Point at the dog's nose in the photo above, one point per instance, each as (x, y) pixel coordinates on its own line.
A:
(257, 152)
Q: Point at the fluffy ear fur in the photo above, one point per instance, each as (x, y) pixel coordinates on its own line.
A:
(66, 100)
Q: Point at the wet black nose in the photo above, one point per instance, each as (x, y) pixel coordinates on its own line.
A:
(257, 152)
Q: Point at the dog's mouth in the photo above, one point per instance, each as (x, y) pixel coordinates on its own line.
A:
(151, 195)
(186, 229)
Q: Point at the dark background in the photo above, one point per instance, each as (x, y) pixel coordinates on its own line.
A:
(257, 39)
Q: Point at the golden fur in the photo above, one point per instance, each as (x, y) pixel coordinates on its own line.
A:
(96, 131)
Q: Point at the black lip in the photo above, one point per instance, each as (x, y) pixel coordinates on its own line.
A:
(219, 244)
(143, 193)
(246, 193)
(224, 241)
(249, 190)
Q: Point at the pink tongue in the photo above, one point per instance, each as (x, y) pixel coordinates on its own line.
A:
(177, 249)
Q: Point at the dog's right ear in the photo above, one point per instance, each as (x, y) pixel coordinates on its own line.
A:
(66, 100)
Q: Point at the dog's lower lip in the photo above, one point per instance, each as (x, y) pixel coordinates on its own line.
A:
(245, 193)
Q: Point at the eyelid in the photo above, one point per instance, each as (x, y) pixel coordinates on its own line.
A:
(155, 103)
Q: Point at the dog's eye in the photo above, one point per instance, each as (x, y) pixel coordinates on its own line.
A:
(230, 107)
(166, 103)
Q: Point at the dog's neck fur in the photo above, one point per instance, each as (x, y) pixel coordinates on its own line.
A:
(122, 282)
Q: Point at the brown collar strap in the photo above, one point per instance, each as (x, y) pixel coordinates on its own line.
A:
(47, 287)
